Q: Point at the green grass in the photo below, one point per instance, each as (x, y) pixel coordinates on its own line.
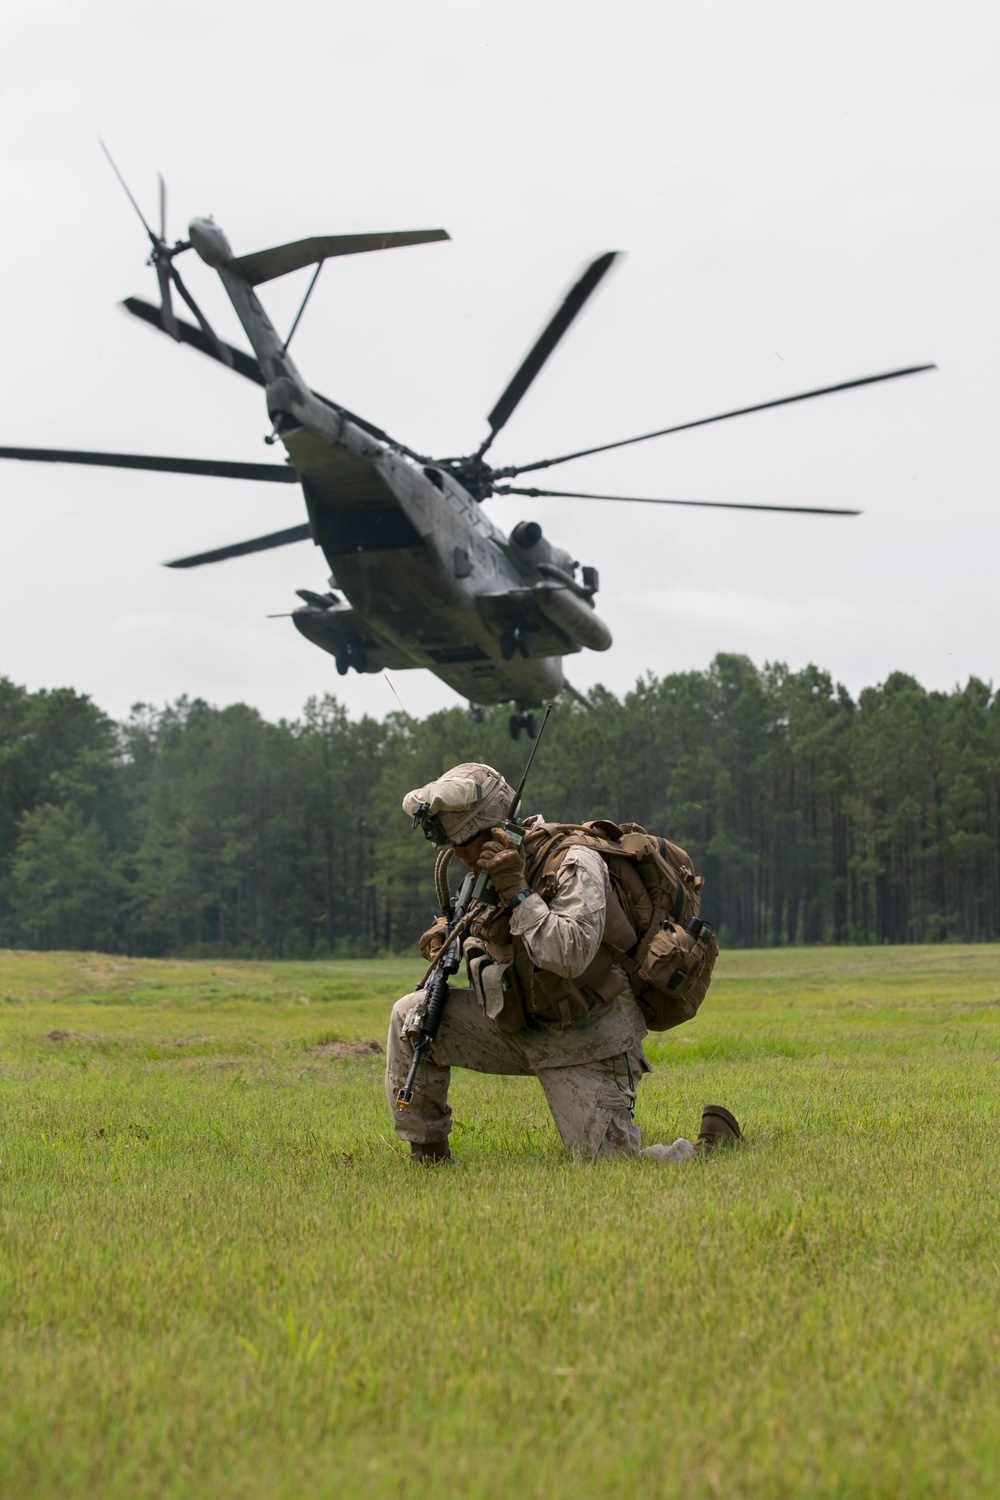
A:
(220, 1276)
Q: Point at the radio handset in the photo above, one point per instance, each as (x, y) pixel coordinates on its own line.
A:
(484, 889)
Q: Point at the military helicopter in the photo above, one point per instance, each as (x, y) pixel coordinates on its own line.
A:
(420, 575)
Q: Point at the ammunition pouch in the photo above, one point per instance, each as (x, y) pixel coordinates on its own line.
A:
(562, 1001)
(498, 989)
(514, 994)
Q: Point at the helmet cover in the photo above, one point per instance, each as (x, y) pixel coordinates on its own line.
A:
(463, 802)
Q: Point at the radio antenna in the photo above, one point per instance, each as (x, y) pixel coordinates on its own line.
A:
(517, 795)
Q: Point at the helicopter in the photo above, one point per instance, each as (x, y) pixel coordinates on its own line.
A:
(420, 576)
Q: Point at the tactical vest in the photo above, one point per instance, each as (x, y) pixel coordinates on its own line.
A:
(652, 934)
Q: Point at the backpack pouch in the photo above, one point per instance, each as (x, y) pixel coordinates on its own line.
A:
(675, 974)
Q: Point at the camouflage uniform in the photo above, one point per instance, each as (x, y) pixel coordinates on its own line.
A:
(589, 1069)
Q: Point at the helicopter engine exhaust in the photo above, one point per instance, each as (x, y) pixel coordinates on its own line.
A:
(559, 597)
(526, 534)
(530, 547)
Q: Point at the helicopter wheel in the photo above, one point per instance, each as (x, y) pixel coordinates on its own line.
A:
(520, 721)
(351, 656)
(515, 639)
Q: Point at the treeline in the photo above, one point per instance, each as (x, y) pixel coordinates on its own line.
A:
(204, 831)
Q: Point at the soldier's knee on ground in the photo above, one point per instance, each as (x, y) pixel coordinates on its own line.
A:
(621, 1137)
(592, 1105)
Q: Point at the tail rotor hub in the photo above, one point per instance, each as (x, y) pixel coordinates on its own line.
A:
(161, 258)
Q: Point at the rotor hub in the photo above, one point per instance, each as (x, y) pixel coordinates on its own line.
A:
(473, 475)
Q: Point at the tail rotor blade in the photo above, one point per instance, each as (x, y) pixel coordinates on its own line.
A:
(163, 276)
(222, 350)
(128, 194)
(166, 272)
(546, 343)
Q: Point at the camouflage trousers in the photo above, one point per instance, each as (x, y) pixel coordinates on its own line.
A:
(591, 1100)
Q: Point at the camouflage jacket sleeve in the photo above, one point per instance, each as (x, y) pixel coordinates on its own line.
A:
(564, 934)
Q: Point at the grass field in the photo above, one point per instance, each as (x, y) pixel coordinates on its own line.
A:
(220, 1276)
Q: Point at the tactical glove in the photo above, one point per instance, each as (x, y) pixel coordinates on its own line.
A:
(432, 942)
(503, 861)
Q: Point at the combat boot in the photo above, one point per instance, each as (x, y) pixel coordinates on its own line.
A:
(430, 1153)
(718, 1128)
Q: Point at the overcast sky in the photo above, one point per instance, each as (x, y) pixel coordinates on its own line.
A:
(806, 194)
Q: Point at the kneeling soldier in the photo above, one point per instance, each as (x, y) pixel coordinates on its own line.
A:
(543, 998)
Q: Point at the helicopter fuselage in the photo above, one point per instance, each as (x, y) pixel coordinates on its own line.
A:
(419, 574)
(429, 580)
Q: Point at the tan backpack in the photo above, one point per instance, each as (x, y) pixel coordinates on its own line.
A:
(652, 930)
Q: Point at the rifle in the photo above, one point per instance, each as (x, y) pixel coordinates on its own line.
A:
(435, 983)
(474, 888)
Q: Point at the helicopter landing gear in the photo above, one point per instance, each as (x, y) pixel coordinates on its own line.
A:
(515, 639)
(348, 656)
(525, 721)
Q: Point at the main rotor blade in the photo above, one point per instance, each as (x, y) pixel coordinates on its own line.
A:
(128, 195)
(545, 343)
(241, 549)
(800, 510)
(163, 205)
(216, 468)
(221, 350)
(740, 411)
